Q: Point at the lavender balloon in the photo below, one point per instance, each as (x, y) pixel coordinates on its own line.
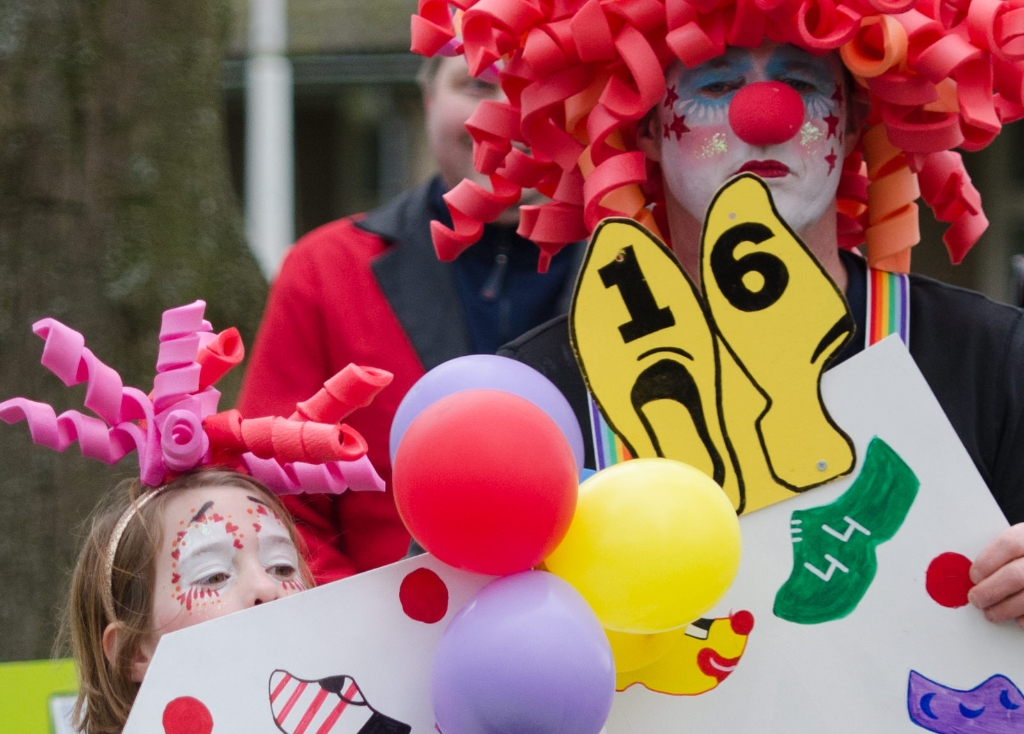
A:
(525, 656)
(493, 372)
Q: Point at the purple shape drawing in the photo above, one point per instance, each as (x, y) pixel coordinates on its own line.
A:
(993, 707)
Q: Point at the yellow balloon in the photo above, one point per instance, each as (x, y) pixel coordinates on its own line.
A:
(633, 652)
(654, 544)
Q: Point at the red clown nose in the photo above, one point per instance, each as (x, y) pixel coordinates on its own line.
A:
(766, 113)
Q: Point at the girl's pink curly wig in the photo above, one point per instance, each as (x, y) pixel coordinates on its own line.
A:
(580, 74)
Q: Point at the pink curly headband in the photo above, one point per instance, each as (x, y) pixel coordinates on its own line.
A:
(178, 428)
(578, 75)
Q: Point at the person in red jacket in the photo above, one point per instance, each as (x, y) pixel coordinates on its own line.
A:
(369, 290)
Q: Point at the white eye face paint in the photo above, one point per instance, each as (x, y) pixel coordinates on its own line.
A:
(278, 556)
(222, 550)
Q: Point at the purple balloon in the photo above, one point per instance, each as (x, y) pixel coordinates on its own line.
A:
(495, 373)
(526, 655)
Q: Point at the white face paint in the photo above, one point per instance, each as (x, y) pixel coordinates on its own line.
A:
(222, 550)
(700, 151)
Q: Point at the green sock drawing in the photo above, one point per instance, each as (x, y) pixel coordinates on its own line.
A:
(834, 546)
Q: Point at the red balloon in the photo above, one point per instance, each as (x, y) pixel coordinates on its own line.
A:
(486, 481)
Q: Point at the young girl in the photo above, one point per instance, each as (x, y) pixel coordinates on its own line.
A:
(206, 544)
(185, 542)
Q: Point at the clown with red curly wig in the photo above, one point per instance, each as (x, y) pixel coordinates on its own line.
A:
(581, 77)
(849, 111)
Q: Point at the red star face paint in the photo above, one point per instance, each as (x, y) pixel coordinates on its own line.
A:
(222, 551)
(701, 150)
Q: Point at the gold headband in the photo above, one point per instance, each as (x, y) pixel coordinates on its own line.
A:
(115, 540)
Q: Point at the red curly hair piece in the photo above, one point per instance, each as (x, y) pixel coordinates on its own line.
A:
(580, 74)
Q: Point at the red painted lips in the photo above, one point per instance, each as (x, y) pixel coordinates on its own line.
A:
(765, 169)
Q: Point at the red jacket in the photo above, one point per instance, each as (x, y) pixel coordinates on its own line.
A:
(326, 310)
(368, 291)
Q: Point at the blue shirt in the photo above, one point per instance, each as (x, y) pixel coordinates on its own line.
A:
(502, 294)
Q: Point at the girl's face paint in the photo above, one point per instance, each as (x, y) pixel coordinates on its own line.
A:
(223, 550)
(700, 151)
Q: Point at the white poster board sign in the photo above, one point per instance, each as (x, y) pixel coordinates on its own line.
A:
(890, 659)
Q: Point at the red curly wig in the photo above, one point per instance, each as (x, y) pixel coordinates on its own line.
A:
(580, 74)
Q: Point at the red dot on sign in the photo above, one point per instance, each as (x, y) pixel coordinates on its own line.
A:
(742, 622)
(948, 580)
(187, 715)
(424, 596)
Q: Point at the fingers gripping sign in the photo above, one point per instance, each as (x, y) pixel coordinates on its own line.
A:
(782, 319)
(998, 572)
(728, 383)
(646, 351)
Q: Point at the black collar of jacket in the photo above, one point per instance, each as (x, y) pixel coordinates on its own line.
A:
(419, 287)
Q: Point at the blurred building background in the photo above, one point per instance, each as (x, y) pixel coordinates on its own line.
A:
(358, 120)
(358, 131)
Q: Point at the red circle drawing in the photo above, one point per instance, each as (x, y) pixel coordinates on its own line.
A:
(424, 596)
(187, 715)
(742, 622)
(948, 579)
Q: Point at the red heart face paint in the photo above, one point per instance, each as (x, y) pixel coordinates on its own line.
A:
(222, 551)
(700, 149)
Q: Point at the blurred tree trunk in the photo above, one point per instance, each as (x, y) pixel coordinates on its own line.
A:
(115, 203)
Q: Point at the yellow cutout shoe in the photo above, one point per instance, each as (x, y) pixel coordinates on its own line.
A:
(742, 405)
(782, 318)
(642, 339)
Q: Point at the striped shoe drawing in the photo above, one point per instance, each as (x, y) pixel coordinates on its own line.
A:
(332, 705)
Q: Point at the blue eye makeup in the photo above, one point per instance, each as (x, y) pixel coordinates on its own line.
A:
(705, 92)
(810, 76)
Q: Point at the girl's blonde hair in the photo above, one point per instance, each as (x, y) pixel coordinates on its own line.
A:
(106, 689)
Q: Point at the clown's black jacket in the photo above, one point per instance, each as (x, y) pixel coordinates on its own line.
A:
(969, 348)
